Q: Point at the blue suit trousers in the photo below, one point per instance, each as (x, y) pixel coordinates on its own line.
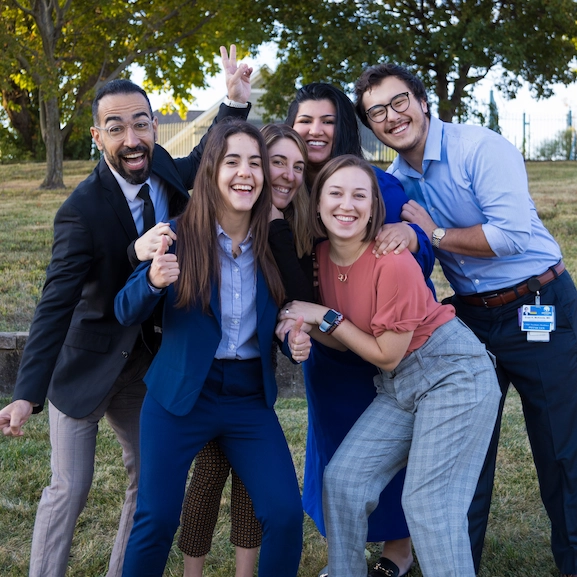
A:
(231, 409)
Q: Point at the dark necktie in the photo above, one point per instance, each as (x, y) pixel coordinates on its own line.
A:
(148, 208)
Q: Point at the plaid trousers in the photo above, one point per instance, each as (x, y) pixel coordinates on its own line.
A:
(435, 414)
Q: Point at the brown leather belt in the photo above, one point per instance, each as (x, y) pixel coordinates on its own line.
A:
(508, 295)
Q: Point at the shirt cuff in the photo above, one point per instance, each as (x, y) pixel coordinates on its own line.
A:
(233, 104)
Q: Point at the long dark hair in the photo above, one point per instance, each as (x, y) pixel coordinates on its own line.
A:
(197, 245)
(347, 139)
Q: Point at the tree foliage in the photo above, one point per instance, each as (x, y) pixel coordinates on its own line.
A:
(561, 147)
(62, 51)
(451, 44)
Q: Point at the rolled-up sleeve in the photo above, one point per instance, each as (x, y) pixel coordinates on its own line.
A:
(499, 180)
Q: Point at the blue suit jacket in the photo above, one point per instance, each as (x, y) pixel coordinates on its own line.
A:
(190, 339)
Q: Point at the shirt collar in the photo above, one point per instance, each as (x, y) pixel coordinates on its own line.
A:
(433, 146)
(225, 241)
(129, 190)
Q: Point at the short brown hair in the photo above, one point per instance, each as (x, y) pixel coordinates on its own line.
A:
(374, 75)
(318, 229)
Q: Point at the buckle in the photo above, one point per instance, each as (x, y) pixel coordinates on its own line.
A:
(488, 297)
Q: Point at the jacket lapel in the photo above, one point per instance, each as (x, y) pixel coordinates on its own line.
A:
(114, 196)
(215, 302)
(262, 295)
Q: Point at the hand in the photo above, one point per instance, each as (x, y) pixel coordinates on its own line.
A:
(14, 416)
(164, 269)
(299, 342)
(395, 237)
(415, 213)
(311, 313)
(237, 77)
(315, 273)
(147, 245)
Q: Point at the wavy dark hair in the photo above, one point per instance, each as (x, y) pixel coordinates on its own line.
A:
(374, 75)
(197, 245)
(318, 229)
(347, 139)
(297, 212)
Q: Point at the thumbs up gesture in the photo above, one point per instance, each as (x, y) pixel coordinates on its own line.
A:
(299, 341)
(164, 269)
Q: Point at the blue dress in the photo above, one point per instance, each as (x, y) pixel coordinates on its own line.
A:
(339, 388)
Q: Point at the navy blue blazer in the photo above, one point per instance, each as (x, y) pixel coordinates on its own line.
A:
(190, 339)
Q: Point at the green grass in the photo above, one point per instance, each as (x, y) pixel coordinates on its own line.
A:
(518, 535)
(26, 217)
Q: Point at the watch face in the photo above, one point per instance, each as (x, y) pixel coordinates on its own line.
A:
(331, 316)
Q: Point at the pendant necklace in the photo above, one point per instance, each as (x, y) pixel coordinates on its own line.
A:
(343, 276)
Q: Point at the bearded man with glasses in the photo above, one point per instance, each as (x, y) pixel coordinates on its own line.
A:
(78, 355)
(469, 193)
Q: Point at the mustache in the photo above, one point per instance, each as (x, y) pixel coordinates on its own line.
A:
(139, 148)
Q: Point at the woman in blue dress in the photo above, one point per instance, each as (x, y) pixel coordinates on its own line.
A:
(339, 386)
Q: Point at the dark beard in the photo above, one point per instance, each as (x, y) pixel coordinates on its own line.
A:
(131, 176)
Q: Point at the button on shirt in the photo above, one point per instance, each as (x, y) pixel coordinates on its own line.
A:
(237, 300)
(472, 175)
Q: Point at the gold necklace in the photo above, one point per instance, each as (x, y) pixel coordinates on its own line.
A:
(343, 276)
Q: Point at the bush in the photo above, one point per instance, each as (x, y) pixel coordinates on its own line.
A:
(561, 147)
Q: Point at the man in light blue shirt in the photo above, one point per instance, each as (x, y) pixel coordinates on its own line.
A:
(469, 193)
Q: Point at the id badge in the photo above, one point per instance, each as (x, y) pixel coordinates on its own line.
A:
(538, 321)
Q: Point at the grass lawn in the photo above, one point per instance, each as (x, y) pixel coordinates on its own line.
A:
(518, 536)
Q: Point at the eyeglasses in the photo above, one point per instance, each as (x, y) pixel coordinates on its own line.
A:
(399, 103)
(118, 131)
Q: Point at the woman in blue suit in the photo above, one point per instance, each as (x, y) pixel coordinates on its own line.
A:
(213, 377)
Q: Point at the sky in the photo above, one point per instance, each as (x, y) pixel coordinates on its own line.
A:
(543, 118)
(565, 98)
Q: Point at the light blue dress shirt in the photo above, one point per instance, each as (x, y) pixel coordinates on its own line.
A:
(237, 300)
(472, 175)
(158, 196)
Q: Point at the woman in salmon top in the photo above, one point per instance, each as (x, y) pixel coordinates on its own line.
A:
(437, 393)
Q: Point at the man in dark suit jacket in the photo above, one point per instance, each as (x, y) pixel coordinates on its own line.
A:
(78, 355)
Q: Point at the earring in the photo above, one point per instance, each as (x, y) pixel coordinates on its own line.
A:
(370, 219)
(318, 215)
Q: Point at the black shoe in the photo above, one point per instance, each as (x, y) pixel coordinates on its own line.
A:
(384, 567)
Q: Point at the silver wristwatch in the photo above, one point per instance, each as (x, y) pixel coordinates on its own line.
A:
(438, 235)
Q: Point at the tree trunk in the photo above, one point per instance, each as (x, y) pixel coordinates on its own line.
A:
(53, 140)
(17, 105)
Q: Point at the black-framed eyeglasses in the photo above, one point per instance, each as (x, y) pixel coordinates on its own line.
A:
(118, 131)
(399, 103)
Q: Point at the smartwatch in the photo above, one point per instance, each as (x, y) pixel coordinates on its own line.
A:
(438, 235)
(331, 321)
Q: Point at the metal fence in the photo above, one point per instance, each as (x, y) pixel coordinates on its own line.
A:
(537, 137)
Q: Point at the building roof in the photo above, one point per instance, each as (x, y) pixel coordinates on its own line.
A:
(174, 117)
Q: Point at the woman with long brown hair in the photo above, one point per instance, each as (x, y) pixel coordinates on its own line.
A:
(213, 376)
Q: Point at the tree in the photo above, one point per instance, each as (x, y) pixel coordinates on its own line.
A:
(493, 115)
(451, 44)
(66, 49)
(560, 147)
